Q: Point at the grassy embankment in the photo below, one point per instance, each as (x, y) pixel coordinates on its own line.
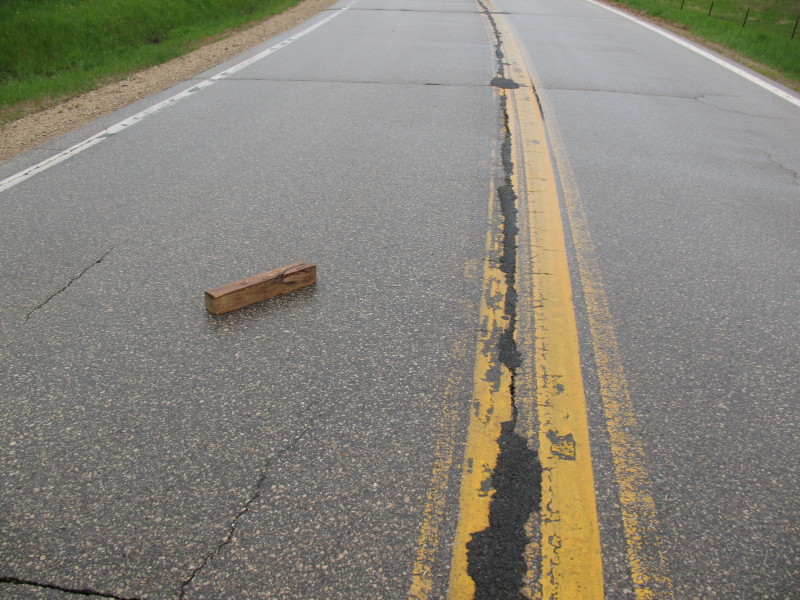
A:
(51, 49)
(765, 38)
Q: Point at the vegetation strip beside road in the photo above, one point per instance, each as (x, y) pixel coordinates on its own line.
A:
(66, 115)
(59, 48)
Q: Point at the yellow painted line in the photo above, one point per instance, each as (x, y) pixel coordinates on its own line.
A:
(646, 558)
(571, 559)
(428, 541)
(565, 536)
(490, 408)
(571, 562)
(429, 538)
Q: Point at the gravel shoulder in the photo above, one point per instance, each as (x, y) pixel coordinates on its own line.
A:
(35, 129)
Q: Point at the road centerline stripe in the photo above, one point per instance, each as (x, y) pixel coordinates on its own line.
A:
(428, 539)
(571, 561)
(647, 560)
(571, 558)
(491, 406)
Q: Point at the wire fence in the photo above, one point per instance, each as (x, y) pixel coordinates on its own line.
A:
(778, 19)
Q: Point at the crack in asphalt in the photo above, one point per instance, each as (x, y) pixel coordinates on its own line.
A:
(623, 92)
(413, 10)
(707, 99)
(73, 280)
(76, 591)
(794, 174)
(258, 488)
(445, 12)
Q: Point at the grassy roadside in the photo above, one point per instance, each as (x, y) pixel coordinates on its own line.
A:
(762, 41)
(54, 49)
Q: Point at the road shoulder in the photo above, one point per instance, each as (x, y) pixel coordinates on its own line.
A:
(37, 128)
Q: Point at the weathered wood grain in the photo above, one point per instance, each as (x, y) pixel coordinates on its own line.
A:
(247, 291)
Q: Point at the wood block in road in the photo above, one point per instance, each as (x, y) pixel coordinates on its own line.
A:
(263, 286)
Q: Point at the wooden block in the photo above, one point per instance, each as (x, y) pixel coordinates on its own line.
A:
(250, 290)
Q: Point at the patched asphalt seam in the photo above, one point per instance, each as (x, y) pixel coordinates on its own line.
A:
(259, 486)
(504, 83)
(73, 280)
(68, 590)
(496, 556)
(508, 351)
(498, 45)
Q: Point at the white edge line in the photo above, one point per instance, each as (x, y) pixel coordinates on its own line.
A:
(17, 178)
(705, 53)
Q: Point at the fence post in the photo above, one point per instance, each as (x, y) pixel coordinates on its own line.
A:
(712, 8)
(745, 17)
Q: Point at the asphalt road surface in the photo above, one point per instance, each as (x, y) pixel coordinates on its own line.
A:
(320, 445)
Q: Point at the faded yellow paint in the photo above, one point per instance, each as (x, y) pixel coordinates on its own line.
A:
(571, 562)
(646, 558)
(567, 538)
(429, 541)
(492, 405)
(433, 512)
(571, 559)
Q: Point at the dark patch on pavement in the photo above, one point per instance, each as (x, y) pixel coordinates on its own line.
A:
(504, 83)
(498, 46)
(563, 446)
(509, 354)
(497, 554)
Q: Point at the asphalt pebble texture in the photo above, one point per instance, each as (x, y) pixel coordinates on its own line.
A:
(152, 450)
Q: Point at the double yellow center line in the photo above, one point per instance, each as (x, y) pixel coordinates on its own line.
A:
(543, 397)
(568, 532)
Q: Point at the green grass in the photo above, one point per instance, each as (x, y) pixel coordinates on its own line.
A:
(51, 49)
(765, 39)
